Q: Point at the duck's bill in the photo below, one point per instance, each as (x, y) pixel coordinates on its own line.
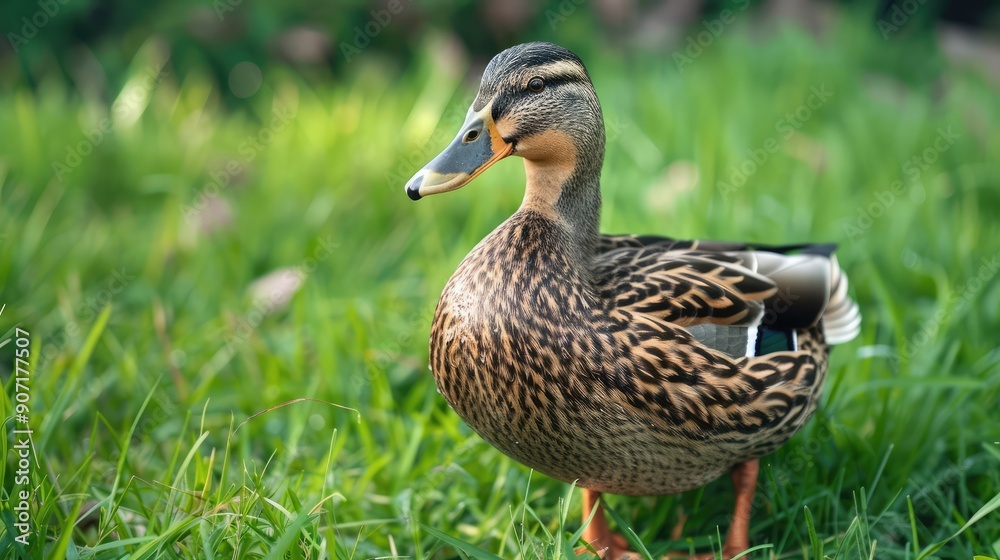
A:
(477, 147)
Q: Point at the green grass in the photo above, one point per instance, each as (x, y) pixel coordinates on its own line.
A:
(148, 351)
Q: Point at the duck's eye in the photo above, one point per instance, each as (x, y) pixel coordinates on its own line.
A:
(536, 84)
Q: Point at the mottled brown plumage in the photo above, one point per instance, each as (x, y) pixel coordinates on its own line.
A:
(627, 364)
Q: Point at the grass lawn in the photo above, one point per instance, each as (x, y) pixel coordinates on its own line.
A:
(139, 244)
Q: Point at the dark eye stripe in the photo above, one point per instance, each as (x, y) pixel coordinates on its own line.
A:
(505, 101)
(553, 82)
(559, 79)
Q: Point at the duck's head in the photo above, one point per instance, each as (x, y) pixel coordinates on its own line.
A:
(535, 101)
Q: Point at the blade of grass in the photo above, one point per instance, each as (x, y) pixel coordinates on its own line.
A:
(630, 535)
(814, 542)
(462, 546)
(913, 527)
(290, 533)
(127, 442)
(752, 549)
(987, 509)
(575, 538)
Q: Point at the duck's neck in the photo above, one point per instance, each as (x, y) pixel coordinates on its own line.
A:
(580, 204)
(569, 192)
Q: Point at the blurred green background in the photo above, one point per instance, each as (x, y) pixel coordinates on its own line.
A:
(228, 296)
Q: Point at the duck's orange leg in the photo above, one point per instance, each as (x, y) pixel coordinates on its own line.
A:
(614, 547)
(745, 482)
(609, 545)
(738, 537)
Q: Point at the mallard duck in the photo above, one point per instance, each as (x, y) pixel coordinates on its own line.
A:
(636, 365)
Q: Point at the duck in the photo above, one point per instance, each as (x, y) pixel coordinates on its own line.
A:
(636, 365)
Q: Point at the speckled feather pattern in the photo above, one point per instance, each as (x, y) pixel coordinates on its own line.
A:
(584, 371)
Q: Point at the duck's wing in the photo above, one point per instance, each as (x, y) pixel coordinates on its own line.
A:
(737, 298)
(682, 286)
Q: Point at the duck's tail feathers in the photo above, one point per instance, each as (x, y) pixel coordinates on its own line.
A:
(812, 289)
(841, 318)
